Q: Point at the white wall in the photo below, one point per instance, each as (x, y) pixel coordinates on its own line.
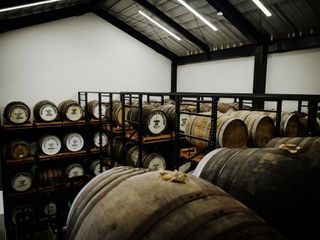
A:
(233, 75)
(55, 60)
(295, 72)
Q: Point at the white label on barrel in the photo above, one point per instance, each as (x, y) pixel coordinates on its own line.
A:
(156, 163)
(95, 110)
(74, 113)
(21, 182)
(157, 122)
(183, 121)
(74, 142)
(48, 113)
(19, 115)
(50, 209)
(96, 139)
(50, 145)
(75, 172)
(96, 169)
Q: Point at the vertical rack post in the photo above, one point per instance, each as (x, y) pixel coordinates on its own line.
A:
(140, 131)
(278, 117)
(213, 128)
(177, 133)
(312, 117)
(100, 132)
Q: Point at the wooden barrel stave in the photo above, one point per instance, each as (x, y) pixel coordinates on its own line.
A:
(178, 215)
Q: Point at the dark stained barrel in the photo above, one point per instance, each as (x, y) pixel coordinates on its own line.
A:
(22, 181)
(93, 109)
(154, 121)
(74, 170)
(70, 110)
(283, 188)
(45, 111)
(19, 148)
(48, 176)
(126, 203)
(17, 112)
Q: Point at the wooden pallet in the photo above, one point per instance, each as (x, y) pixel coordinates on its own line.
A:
(76, 123)
(150, 138)
(10, 126)
(47, 124)
(188, 153)
(61, 155)
(19, 161)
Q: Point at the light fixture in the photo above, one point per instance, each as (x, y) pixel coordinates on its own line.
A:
(160, 26)
(28, 5)
(262, 8)
(197, 15)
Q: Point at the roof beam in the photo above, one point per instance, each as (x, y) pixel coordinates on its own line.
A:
(134, 33)
(174, 25)
(33, 19)
(238, 20)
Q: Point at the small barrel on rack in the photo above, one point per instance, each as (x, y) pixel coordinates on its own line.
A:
(21, 181)
(70, 110)
(231, 132)
(154, 121)
(24, 212)
(45, 111)
(170, 111)
(95, 167)
(225, 107)
(94, 110)
(50, 208)
(260, 127)
(74, 170)
(104, 139)
(19, 148)
(151, 160)
(283, 188)
(17, 112)
(152, 207)
(48, 176)
(117, 114)
(73, 142)
(50, 144)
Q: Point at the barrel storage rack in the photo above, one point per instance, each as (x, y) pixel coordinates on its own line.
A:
(50, 194)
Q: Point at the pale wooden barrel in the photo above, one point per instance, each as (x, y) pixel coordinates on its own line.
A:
(47, 176)
(17, 112)
(74, 170)
(45, 111)
(152, 208)
(231, 132)
(117, 114)
(19, 148)
(225, 107)
(94, 110)
(95, 167)
(104, 139)
(71, 110)
(170, 111)
(74, 142)
(281, 187)
(260, 127)
(50, 144)
(21, 181)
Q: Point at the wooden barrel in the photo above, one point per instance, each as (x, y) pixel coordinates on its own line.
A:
(154, 121)
(45, 111)
(17, 112)
(117, 114)
(50, 144)
(50, 209)
(231, 132)
(95, 167)
(104, 139)
(21, 181)
(48, 176)
(70, 110)
(289, 124)
(283, 188)
(152, 208)
(152, 160)
(74, 142)
(170, 111)
(225, 107)
(25, 212)
(19, 148)
(74, 170)
(94, 110)
(260, 127)
(236, 106)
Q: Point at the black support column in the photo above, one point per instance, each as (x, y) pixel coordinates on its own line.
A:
(260, 73)
(173, 75)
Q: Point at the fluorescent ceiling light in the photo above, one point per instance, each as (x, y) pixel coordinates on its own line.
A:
(28, 5)
(198, 15)
(262, 8)
(160, 26)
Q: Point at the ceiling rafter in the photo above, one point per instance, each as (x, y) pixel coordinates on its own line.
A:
(134, 33)
(174, 25)
(238, 20)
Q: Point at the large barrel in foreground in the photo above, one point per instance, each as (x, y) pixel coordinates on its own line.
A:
(126, 203)
(281, 187)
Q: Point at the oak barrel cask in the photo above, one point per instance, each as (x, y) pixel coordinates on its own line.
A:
(73, 142)
(93, 109)
(74, 170)
(19, 148)
(21, 181)
(104, 139)
(126, 203)
(95, 167)
(260, 127)
(48, 176)
(45, 111)
(70, 110)
(50, 144)
(283, 188)
(230, 132)
(170, 111)
(17, 112)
